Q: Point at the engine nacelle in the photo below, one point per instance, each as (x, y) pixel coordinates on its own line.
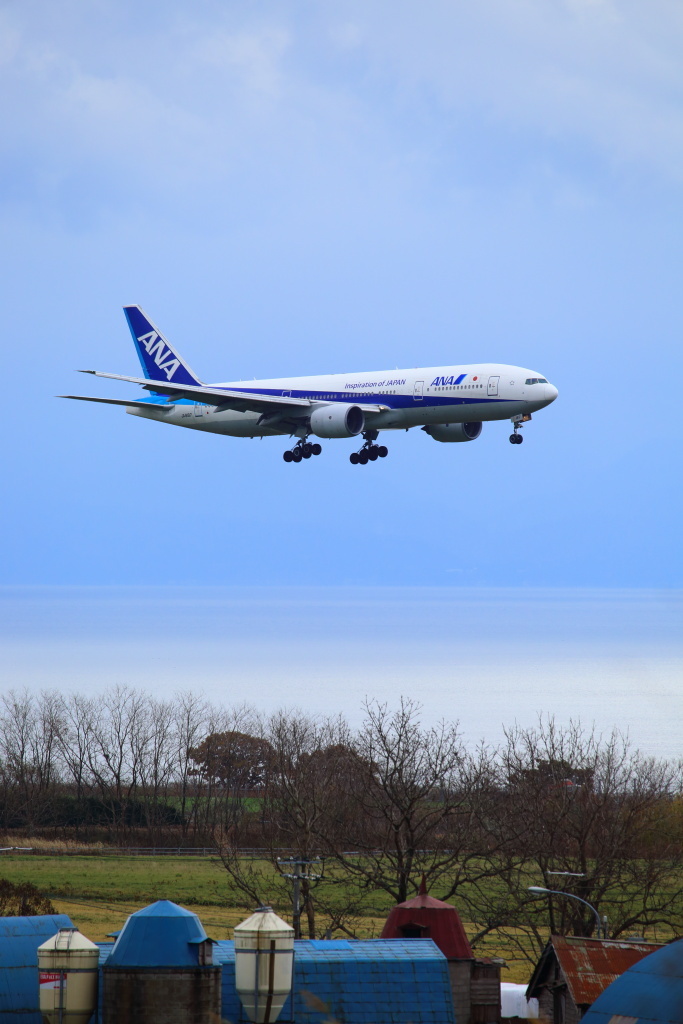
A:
(454, 431)
(337, 421)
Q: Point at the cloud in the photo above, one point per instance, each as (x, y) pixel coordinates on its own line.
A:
(605, 72)
(160, 104)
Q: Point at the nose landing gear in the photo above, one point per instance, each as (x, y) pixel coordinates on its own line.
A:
(517, 422)
(370, 452)
(302, 450)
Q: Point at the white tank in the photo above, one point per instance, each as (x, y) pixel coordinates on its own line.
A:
(67, 972)
(264, 962)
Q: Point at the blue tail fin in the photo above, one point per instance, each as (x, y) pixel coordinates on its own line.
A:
(159, 361)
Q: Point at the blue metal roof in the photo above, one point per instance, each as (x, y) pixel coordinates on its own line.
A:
(374, 981)
(161, 935)
(19, 941)
(650, 992)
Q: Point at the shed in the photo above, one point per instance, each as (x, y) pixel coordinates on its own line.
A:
(573, 971)
(374, 981)
(19, 941)
(649, 992)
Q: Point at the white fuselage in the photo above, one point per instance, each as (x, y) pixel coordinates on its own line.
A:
(409, 398)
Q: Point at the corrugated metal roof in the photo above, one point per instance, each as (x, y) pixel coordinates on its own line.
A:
(374, 981)
(590, 965)
(161, 935)
(650, 992)
(19, 941)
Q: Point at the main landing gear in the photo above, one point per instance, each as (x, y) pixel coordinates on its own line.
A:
(370, 452)
(302, 450)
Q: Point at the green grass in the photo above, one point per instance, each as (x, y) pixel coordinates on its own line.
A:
(186, 880)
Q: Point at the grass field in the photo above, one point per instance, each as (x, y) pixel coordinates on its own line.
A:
(99, 892)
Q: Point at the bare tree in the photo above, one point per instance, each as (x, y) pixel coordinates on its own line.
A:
(78, 714)
(191, 715)
(299, 773)
(571, 800)
(113, 753)
(28, 754)
(404, 806)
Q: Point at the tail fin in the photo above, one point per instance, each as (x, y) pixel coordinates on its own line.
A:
(159, 360)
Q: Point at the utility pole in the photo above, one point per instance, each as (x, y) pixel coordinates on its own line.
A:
(300, 870)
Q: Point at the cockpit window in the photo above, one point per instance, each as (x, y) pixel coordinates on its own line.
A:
(535, 380)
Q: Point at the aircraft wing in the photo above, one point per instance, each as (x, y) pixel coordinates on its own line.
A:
(131, 403)
(222, 397)
(212, 395)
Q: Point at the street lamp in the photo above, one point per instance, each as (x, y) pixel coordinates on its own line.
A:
(539, 890)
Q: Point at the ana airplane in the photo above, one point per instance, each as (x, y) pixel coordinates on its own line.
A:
(450, 403)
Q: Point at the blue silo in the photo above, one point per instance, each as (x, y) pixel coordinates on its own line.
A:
(19, 941)
(160, 970)
(650, 992)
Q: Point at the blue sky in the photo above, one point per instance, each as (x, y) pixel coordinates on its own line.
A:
(299, 187)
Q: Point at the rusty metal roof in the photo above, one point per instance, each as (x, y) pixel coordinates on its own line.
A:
(590, 965)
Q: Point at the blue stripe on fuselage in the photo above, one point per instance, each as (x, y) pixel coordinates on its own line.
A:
(391, 401)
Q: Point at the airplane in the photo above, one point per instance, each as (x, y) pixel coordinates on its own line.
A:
(449, 403)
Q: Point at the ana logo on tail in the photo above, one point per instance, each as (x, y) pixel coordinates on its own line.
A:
(163, 356)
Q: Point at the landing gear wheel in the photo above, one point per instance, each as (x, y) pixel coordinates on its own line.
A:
(354, 459)
(382, 451)
(316, 449)
(363, 457)
(519, 439)
(306, 454)
(373, 453)
(296, 455)
(513, 438)
(287, 456)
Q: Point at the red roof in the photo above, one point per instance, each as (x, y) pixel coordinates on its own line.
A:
(428, 918)
(590, 965)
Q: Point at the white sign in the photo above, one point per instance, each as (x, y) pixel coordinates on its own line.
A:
(50, 981)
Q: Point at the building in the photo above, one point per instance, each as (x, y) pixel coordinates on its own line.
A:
(573, 971)
(356, 981)
(397, 981)
(475, 983)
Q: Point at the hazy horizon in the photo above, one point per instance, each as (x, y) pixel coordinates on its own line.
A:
(487, 657)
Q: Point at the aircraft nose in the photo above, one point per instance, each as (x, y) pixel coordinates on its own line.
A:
(551, 392)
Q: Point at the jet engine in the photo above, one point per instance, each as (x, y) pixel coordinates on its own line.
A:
(454, 431)
(337, 421)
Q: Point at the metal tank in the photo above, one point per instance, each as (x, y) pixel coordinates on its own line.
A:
(264, 965)
(67, 976)
(161, 971)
